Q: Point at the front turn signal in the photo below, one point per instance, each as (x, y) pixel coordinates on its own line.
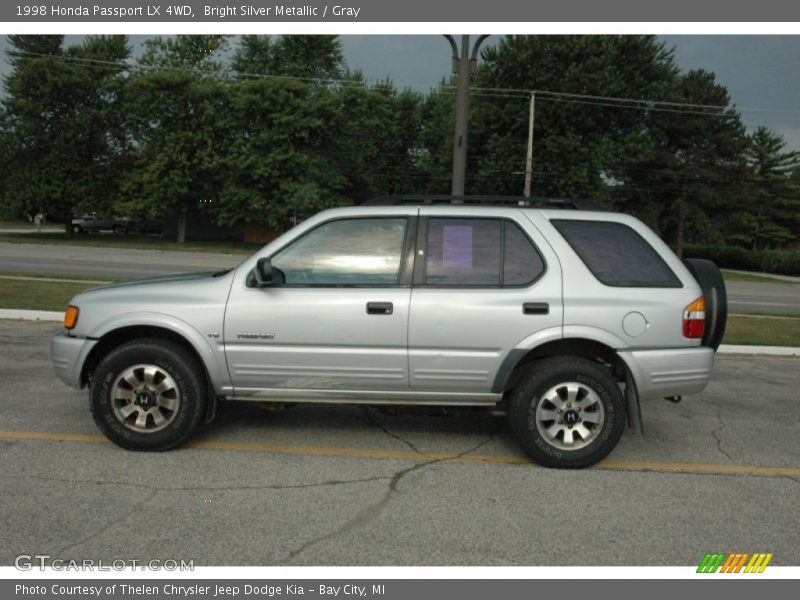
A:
(71, 317)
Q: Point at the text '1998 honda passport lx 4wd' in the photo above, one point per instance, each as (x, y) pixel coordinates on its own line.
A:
(565, 318)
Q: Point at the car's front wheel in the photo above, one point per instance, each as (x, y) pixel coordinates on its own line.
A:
(148, 395)
(568, 412)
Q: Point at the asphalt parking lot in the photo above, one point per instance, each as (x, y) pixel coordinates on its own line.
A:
(351, 486)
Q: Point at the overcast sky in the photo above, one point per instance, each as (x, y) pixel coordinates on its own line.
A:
(760, 72)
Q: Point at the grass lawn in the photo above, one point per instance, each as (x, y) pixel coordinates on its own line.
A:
(34, 295)
(755, 278)
(145, 242)
(19, 225)
(762, 332)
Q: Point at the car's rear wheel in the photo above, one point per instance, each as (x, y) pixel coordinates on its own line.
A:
(148, 395)
(711, 282)
(76, 229)
(568, 412)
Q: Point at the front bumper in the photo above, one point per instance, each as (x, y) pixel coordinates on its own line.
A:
(675, 372)
(69, 355)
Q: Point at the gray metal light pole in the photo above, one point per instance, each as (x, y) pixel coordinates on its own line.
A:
(529, 158)
(464, 65)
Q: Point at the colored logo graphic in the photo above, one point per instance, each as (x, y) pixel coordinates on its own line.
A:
(734, 562)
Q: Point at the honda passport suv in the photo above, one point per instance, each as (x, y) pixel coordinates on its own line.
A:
(562, 317)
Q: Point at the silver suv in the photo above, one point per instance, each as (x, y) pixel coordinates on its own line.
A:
(562, 317)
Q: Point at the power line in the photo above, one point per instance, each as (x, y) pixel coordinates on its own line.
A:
(649, 105)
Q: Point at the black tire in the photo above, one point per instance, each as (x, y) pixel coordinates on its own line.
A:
(172, 361)
(77, 229)
(529, 395)
(713, 285)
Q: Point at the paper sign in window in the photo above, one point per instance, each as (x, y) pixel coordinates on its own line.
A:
(457, 246)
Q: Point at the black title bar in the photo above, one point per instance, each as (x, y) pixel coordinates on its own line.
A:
(445, 11)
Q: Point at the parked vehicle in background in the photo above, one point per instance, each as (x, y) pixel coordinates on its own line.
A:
(564, 318)
(92, 223)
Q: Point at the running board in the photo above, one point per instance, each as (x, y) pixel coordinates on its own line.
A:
(365, 397)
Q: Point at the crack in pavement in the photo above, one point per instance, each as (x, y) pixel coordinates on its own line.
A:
(154, 490)
(374, 510)
(716, 432)
(330, 483)
(375, 423)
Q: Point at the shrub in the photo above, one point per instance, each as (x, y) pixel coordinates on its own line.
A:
(782, 262)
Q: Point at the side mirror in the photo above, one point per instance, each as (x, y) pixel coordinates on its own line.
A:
(265, 275)
(263, 272)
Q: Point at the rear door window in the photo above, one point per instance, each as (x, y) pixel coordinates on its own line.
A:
(463, 252)
(479, 252)
(522, 263)
(616, 254)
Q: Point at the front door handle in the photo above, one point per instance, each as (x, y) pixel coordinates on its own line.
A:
(535, 308)
(380, 308)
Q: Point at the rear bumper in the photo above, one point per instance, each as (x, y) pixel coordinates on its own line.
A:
(675, 372)
(68, 355)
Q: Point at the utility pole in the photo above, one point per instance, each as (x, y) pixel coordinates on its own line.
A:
(529, 161)
(464, 64)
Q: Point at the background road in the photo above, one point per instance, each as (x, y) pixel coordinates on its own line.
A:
(124, 263)
(763, 297)
(129, 263)
(350, 486)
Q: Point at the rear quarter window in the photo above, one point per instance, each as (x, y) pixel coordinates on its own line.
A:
(616, 254)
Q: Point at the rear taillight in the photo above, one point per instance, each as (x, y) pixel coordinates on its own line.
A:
(694, 319)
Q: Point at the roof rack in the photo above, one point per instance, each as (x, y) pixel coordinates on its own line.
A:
(520, 201)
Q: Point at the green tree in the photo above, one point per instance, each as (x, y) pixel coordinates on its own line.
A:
(255, 55)
(436, 155)
(376, 139)
(185, 52)
(692, 171)
(580, 143)
(310, 56)
(276, 165)
(59, 117)
(176, 114)
(773, 195)
(297, 145)
(7, 210)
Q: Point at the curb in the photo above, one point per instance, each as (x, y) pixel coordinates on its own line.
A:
(55, 316)
(53, 279)
(764, 350)
(31, 315)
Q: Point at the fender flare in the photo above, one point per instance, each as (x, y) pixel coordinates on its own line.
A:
(216, 369)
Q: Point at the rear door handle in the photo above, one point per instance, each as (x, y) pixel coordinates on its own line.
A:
(380, 308)
(535, 308)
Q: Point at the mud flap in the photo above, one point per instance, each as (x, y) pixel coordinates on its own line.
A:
(632, 404)
(211, 404)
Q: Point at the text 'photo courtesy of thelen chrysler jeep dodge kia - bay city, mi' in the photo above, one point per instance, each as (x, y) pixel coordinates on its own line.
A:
(565, 319)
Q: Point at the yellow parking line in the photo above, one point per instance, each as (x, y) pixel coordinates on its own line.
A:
(52, 436)
(605, 465)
